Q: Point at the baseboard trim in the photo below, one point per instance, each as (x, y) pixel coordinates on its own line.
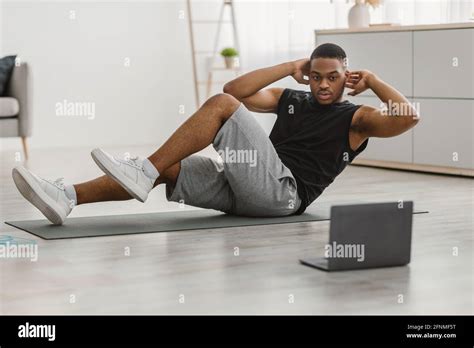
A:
(414, 167)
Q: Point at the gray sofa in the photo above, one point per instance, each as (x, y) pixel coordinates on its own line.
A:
(15, 118)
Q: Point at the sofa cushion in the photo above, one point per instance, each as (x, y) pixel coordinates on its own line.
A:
(9, 107)
(6, 68)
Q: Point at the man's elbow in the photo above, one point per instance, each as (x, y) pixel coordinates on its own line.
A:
(410, 122)
(410, 115)
(413, 115)
(411, 118)
(415, 118)
(403, 126)
(228, 88)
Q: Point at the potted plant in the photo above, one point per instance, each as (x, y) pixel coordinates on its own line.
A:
(230, 56)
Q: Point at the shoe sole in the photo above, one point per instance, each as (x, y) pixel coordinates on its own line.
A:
(34, 194)
(103, 162)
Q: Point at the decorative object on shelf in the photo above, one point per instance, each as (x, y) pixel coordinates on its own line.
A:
(230, 55)
(359, 15)
(226, 5)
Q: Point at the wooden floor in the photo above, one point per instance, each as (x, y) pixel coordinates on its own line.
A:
(200, 267)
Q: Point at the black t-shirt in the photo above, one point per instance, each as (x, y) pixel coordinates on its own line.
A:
(312, 140)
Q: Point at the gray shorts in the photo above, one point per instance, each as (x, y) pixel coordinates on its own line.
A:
(250, 179)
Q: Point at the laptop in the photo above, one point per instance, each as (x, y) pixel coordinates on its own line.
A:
(367, 236)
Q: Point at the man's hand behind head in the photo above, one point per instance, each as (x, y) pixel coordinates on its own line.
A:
(301, 69)
(358, 81)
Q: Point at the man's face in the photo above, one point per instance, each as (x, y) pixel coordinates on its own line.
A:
(327, 77)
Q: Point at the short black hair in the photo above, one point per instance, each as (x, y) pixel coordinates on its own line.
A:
(329, 50)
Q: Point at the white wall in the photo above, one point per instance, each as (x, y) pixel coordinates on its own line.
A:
(82, 59)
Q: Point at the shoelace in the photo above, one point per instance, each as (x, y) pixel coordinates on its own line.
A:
(133, 162)
(59, 183)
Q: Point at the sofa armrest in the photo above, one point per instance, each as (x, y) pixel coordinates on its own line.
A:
(18, 88)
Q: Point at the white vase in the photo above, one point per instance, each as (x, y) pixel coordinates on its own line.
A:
(359, 15)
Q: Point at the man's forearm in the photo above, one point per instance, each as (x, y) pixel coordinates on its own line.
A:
(250, 83)
(397, 103)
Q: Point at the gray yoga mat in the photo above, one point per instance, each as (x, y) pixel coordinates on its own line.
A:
(111, 225)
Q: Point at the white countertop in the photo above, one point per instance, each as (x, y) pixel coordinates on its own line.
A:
(396, 28)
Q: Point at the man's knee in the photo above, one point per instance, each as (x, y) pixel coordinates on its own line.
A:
(225, 103)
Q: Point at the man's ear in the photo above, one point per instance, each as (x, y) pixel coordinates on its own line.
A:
(346, 75)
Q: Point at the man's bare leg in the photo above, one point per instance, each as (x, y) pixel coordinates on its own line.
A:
(103, 188)
(196, 133)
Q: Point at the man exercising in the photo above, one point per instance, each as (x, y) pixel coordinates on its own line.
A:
(315, 136)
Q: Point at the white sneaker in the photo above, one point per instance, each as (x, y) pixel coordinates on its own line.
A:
(46, 195)
(127, 172)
